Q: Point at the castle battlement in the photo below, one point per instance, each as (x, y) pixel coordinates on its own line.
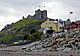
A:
(40, 15)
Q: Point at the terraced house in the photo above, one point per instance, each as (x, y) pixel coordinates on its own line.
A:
(52, 24)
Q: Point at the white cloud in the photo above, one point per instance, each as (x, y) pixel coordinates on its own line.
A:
(55, 9)
(61, 9)
(13, 10)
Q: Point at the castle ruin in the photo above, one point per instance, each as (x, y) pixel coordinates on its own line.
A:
(40, 15)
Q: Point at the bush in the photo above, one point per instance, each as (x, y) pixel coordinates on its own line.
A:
(35, 36)
(25, 37)
(32, 31)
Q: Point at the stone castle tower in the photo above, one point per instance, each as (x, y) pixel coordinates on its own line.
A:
(41, 15)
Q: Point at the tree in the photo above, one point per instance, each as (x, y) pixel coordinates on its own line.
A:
(32, 31)
(23, 17)
(35, 36)
(25, 37)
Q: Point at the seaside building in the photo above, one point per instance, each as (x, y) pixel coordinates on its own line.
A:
(51, 24)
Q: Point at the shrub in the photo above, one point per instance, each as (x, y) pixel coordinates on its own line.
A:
(35, 36)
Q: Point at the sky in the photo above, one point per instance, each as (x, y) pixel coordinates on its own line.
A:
(12, 10)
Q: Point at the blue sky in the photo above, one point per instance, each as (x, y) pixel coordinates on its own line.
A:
(13, 10)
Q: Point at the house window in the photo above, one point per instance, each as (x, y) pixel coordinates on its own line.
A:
(51, 28)
(61, 27)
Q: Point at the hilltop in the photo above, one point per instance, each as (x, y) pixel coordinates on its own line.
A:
(25, 30)
(19, 31)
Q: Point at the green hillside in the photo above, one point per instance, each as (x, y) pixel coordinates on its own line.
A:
(17, 31)
(25, 22)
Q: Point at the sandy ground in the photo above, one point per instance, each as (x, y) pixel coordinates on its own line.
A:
(6, 53)
(16, 51)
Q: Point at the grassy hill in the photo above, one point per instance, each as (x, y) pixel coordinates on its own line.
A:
(17, 31)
